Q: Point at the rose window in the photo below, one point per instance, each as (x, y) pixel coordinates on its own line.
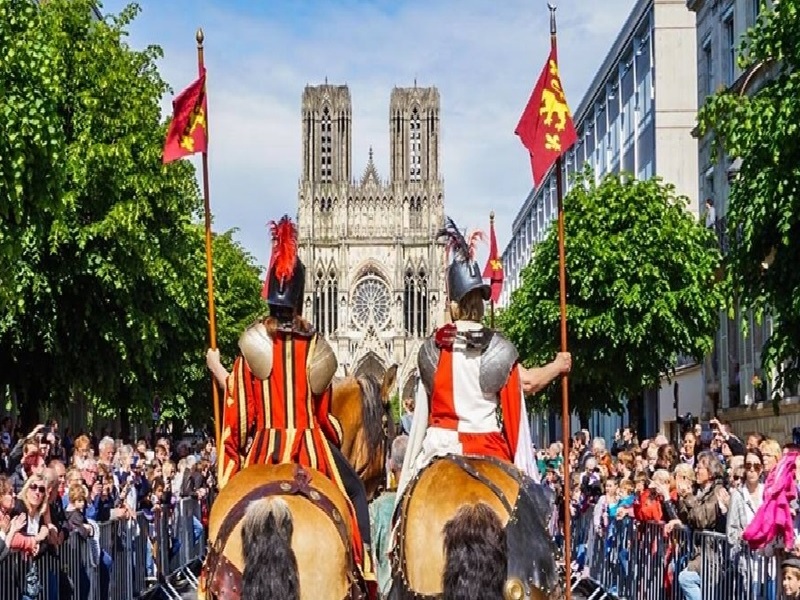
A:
(371, 303)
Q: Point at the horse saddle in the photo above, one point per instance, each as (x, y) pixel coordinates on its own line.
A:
(530, 553)
(224, 580)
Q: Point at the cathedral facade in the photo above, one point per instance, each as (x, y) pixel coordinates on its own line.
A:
(375, 273)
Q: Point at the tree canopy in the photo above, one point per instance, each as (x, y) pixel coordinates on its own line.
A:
(32, 132)
(640, 272)
(237, 291)
(101, 262)
(758, 122)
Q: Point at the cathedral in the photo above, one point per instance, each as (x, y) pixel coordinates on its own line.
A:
(375, 273)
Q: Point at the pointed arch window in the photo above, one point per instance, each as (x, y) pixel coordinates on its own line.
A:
(415, 206)
(331, 293)
(326, 290)
(415, 302)
(415, 158)
(319, 301)
(325, 146)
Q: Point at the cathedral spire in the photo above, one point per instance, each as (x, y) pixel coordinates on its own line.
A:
(370, 175)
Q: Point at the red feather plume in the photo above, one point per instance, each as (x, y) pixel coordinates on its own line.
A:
(284, 247)
(473, 237)
(462, 248)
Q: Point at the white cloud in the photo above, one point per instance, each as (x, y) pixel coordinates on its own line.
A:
(484, 57)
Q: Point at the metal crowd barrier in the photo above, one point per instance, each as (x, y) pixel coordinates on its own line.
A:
(129, 559)
(641, 561)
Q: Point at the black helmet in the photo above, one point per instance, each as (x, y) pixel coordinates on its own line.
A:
(286, 276)
(463, 274)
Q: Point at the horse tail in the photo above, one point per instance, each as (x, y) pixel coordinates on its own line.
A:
(270, 565)
(476, 558)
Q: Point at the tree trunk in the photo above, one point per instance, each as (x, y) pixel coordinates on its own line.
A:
(29, 415)
(583, 418)
(125, 423)
(177, 429)
(636, 414)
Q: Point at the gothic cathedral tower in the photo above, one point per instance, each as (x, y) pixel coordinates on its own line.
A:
(375, 283)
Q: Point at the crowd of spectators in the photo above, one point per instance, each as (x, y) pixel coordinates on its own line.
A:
(53, 484)
(708, 483)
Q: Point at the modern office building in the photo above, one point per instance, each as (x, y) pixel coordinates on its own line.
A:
(736, 360)
(636, 116)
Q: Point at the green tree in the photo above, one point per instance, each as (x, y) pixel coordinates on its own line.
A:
(106, 251)
(31, 135)
(237, 293)
(760, 125)
(640, 291)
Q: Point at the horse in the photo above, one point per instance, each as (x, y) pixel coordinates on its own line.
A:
(362, 407)
(316, 560)
(445, 538)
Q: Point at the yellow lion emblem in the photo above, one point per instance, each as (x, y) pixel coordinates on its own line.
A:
(553, 104)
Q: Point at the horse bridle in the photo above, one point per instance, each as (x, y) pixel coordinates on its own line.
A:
(225, 581)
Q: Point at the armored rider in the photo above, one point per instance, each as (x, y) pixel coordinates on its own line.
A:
(472, 396)
(278, 396)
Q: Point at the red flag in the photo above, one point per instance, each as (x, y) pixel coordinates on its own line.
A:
(546, 128)
(494, 266)
(188, 133)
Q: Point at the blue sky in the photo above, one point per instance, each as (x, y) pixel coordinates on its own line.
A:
(483, 55)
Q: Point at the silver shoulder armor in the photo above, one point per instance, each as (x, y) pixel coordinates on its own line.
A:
(496, 363)
(256, 347)
(322, 365)
(427, 361)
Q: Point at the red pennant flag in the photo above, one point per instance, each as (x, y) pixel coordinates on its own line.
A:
(188, 131)
(494, 266)
(546, 128)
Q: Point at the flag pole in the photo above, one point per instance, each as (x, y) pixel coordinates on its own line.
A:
(491, 302)
(212, 319)
(565, 411)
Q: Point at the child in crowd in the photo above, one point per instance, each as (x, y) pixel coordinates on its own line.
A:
(626, 499)
(791, 578)
(76, 518)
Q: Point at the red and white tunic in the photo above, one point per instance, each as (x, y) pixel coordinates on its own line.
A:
(460, 414)
(460, 417)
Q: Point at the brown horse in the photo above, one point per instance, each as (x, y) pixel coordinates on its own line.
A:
(315, 555)
(445, 544)
(362, 406)
(247, 559)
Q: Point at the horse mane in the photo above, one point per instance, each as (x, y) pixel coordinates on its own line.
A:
(475, 554)
(372, 411)
(270, 565)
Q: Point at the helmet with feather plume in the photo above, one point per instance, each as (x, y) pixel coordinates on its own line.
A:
(463, 273)
(286, 276)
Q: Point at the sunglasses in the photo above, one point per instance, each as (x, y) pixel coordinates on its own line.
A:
(751, 466)
(38, 488)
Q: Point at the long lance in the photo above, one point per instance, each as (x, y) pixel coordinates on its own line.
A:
(212, 317)
(562, 286)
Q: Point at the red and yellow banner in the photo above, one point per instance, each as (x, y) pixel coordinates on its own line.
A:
(494, 266)
(546, 128)
(188, 133)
